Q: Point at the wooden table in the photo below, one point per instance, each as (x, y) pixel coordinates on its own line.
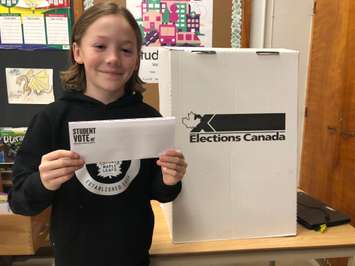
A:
(338, 241)
(22, 235)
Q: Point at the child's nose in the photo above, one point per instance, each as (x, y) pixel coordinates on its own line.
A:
(113, 57)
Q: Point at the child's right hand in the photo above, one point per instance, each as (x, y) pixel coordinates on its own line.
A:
(58, 167)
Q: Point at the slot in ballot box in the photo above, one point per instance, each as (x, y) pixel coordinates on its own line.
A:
(236, 113)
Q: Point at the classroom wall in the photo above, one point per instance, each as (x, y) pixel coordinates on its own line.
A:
(222, 11)
(285, 24)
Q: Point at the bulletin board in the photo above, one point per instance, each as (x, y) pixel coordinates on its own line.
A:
(19, 115)
(35, 24)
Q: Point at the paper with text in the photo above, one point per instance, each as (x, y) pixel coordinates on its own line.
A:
(124, 139)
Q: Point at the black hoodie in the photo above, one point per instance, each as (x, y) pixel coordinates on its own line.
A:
(88, 228)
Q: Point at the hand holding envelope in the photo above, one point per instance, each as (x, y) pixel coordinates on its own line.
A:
(173, 166)
(129, 139)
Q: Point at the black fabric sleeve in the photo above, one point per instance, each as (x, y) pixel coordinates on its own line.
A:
(28, 196)
(161, 192)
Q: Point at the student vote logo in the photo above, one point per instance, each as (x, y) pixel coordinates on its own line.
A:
(108, 178)
(84, 135)
(209, 128)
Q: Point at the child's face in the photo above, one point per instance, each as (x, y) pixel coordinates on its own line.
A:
(108, 51)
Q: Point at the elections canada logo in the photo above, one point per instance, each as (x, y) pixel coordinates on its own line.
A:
(235, 127)
(84, 135)
(108, 178)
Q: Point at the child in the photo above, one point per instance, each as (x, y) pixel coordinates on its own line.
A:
(87, 227)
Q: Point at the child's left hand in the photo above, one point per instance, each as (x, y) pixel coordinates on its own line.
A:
(173, 166)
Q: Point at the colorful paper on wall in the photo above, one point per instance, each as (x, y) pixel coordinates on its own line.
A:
(35, 24)
(29, 85)
(10, 142)
(170, 23)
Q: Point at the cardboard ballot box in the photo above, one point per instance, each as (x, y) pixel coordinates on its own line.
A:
(236, 113)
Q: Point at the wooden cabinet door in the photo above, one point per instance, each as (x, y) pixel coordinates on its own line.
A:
(328, 154)
(345, 186)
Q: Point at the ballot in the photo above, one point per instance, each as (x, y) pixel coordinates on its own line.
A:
(122, 139)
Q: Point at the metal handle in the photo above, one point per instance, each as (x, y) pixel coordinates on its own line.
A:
(332, 129)
(348, 134)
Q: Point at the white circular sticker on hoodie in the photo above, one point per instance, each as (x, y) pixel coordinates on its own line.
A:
(108, 178)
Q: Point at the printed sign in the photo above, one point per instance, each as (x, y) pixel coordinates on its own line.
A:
(235, 127)
(170, 23)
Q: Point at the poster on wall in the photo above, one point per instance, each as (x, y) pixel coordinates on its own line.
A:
(170, 23)
(35, 24)
(29, 85)
(10, 142)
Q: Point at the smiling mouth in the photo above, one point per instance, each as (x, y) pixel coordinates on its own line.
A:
(112, 73)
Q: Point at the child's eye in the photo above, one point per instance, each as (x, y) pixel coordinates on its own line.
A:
(125, 50)
(99, 46)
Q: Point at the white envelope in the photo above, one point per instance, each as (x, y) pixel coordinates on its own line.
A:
(123, 139)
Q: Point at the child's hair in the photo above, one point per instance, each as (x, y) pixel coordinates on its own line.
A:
(74, 78)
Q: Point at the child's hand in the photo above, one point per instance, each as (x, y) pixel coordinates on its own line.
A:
(58, 167)
(173, 166)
